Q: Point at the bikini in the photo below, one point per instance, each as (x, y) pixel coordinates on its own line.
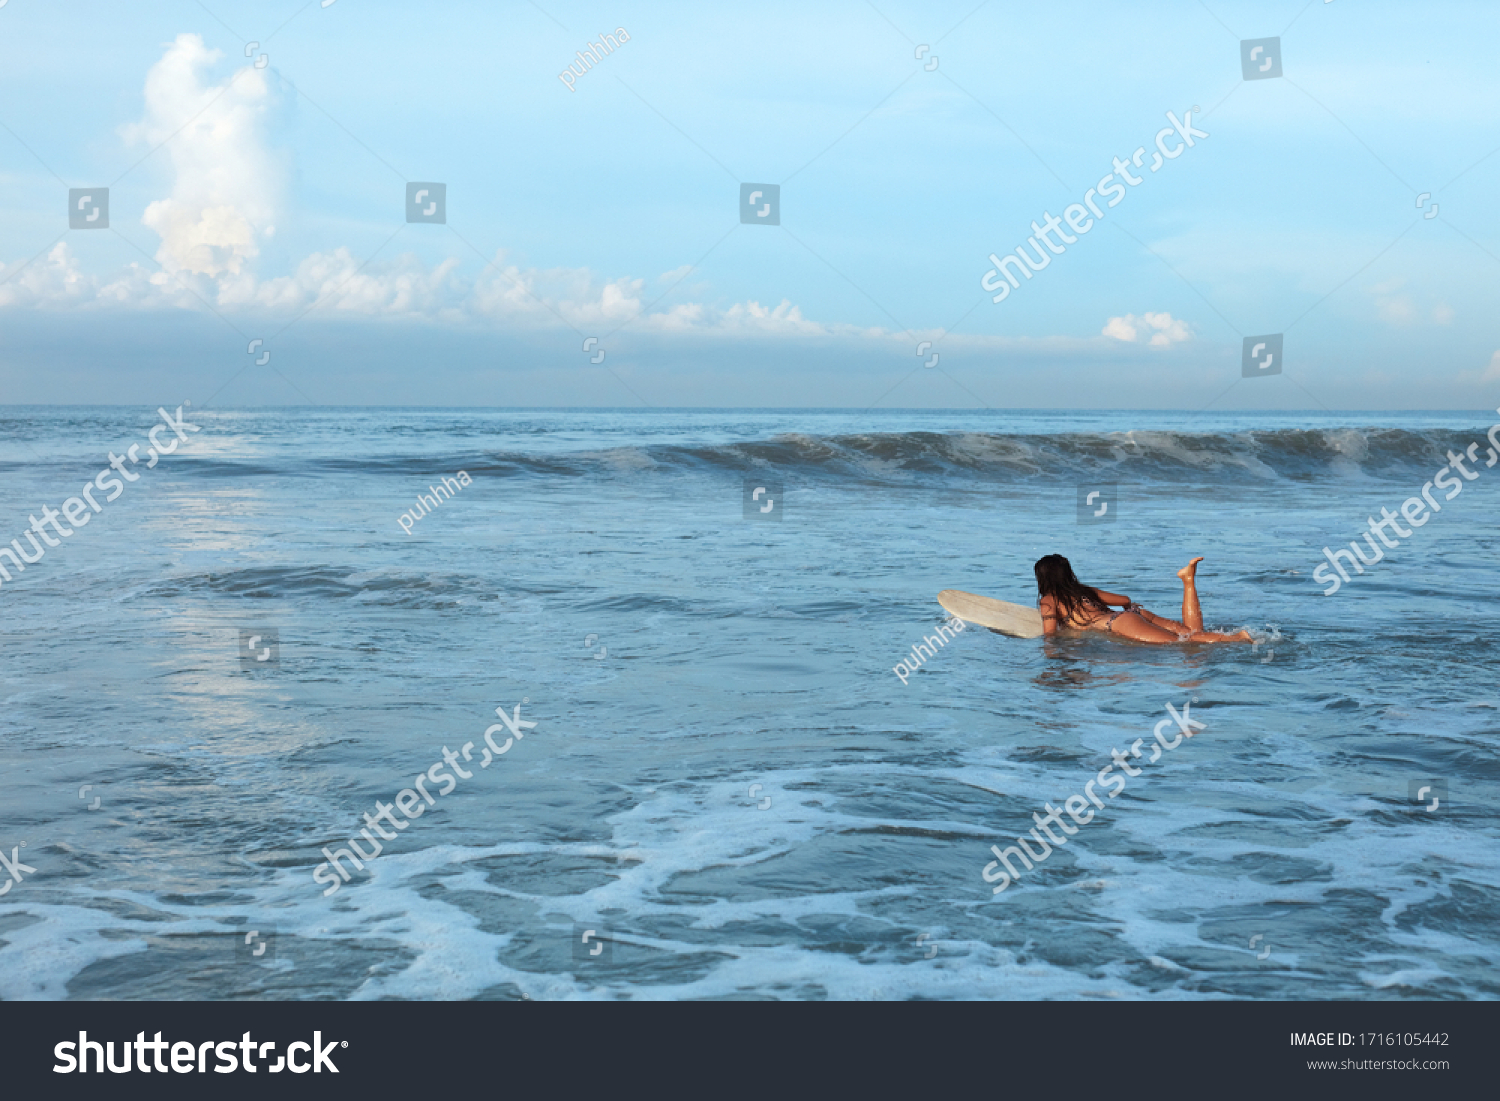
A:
(1109, 622)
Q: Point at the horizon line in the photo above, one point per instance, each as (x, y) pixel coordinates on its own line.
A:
(750, 408)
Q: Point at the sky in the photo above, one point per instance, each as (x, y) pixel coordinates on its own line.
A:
(257, 157)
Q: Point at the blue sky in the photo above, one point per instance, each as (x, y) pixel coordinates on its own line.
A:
(269, 203)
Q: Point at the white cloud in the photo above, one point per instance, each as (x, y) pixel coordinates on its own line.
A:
(1396, 309)
(1159, 330)
(403, 286)
(52, 280)
(1492, 372)
(225, 192)
(1402, 309)
(226, 182)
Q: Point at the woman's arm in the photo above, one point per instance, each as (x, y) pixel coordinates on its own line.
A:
(1114, 600)
(1048, 607)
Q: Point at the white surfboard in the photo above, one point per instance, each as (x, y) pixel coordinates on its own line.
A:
(1015, 620)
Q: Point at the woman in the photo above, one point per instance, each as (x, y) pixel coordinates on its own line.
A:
(1067, 602)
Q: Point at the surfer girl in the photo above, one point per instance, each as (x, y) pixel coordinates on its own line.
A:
(1067, 602)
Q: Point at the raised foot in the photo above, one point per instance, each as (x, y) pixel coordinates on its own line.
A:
(1190, 571)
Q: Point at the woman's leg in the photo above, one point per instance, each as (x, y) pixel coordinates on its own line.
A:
(1163, 621)
(1132, 625)
(1135, 626)
(1215, 636)
(1192, 613)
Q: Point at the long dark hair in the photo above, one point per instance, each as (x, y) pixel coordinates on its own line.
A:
(1055, 578)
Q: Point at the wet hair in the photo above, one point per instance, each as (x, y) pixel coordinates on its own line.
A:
(1055, 578)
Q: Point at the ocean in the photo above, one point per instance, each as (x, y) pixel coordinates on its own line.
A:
(729, 792)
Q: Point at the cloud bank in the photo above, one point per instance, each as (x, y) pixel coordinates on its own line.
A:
(228, 186)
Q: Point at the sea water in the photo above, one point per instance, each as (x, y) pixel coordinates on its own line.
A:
(727, 792)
